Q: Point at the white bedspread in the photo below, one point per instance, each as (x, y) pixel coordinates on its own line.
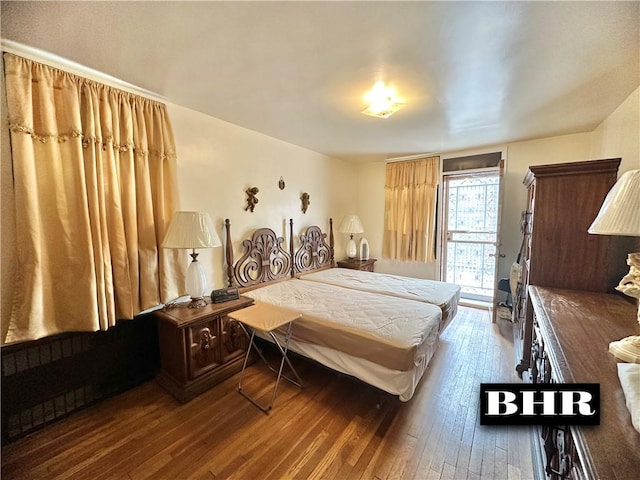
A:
(429, 291)
(393, 332)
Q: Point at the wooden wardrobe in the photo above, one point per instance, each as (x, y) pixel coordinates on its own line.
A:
(562, 202)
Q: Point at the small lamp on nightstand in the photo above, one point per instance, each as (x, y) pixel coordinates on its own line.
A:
(192, 230)
(620, 215)
(351, 224)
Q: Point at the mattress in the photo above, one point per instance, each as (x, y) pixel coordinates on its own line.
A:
(393, 332)
(396, 382)
(444, 295)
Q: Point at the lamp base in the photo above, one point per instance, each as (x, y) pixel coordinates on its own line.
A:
(196, 282)
(627, 349)
(197, 302)
(351, 249)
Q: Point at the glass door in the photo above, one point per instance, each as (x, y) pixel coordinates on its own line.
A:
(471, 225)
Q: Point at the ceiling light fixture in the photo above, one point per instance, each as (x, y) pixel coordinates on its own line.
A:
(382, 101)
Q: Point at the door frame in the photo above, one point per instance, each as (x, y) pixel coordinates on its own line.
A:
(500, 169)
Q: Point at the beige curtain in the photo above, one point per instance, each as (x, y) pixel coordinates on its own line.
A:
(95, 187)
(410, 210)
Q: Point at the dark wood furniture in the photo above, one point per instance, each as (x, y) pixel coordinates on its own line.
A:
(571, 334)
(199, 347)
(355, 264)
(265, 260)
(562, 202)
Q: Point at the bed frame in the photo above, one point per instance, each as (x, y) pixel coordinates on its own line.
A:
(265, 261)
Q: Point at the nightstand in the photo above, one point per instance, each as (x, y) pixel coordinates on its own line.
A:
(199, 347)
(355, 264)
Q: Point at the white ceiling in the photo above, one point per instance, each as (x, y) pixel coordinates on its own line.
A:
(473, 73)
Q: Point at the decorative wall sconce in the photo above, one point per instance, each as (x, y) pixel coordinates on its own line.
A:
(304, 198)
(281, 183)
(251, 198)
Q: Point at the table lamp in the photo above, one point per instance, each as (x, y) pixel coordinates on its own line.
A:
(192, 230)
(351, 224)
(620, 215)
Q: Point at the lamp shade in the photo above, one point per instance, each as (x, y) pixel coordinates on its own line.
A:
(191, 230)
(350, 224)
(620, 212)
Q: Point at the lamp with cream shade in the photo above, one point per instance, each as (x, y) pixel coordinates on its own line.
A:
(351, 224)
(620, 215)
(192, 230)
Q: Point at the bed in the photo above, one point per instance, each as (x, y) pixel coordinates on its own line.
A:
(383, 340)
(443, 295)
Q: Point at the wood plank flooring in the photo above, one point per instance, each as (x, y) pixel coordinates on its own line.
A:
(335, 428)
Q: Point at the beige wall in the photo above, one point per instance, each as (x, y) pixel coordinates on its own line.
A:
(218, 161)
(619, 134)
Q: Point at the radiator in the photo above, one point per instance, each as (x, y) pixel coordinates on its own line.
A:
(48, 379)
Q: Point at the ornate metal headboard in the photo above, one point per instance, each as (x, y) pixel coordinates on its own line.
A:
(314, 252)
(264, 259)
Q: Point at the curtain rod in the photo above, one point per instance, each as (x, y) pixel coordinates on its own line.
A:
(61, 63)
(412, 157)
(499, 148)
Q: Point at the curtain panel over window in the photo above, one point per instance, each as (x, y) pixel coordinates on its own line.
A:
(410, 210)
(95, 188)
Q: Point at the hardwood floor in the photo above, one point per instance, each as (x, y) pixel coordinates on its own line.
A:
(335, 428)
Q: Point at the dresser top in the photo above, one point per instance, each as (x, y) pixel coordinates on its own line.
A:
(578, 327)
(607, 165)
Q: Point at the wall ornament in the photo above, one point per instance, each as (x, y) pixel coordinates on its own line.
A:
(304, 198)
(251, 198)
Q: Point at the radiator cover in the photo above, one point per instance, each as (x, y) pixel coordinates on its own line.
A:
(48, 379)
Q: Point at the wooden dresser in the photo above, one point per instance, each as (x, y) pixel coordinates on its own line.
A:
(562, 202)
(571, 334)
(199, 347)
